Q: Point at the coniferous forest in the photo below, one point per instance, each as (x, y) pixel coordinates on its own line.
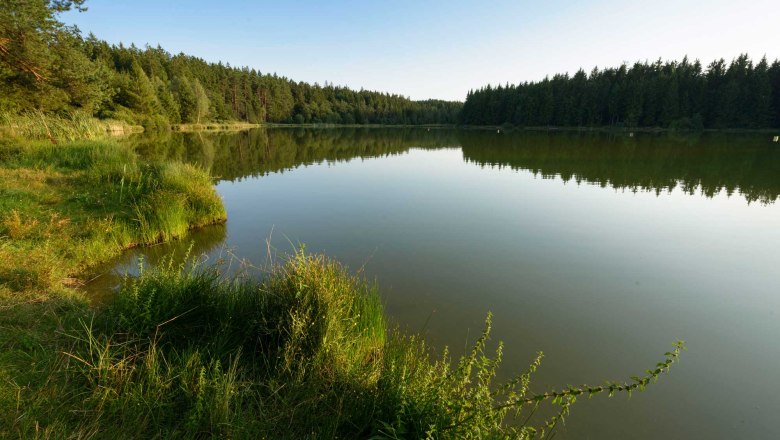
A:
(48, 66)
(683, 95)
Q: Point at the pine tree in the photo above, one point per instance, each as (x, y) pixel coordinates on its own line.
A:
(142, 93)
(186, 99)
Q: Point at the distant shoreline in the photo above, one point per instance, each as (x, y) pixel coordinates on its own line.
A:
(621, 129)
(217, 126)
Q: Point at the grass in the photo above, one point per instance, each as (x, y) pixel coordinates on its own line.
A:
(65, 208)
(185, 352)
(61, 128)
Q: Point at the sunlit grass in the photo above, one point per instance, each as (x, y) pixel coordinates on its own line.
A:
(67, 207)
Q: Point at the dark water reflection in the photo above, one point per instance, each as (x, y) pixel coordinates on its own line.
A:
(252, 153)
(598, 249)
(745, 164)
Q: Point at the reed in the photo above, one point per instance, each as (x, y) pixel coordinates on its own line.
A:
(62, 128)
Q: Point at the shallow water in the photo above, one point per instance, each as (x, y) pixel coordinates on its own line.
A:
(598, 249)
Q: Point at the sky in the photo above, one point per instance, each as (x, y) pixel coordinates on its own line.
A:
(441, 48)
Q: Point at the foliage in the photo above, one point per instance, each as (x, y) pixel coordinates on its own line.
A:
(49, 67)
(39, 67)
(679, 95)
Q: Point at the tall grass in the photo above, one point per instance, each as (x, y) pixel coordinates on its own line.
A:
(67, 207)
(63, 209)
(61, 128)
(185, 352)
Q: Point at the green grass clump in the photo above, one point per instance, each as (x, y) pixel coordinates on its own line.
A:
(186, 352)
(67, 207)
(63, 209)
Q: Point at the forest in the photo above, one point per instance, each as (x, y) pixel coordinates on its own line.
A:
(672, 94)
(49, 67)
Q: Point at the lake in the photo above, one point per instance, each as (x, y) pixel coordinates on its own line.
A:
(599, 249)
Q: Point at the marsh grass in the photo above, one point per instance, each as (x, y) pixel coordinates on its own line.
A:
(188, 352)
(62, 128)
(63, 209)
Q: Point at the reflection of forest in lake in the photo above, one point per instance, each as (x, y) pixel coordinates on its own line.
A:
(745, 164)
(234, 155)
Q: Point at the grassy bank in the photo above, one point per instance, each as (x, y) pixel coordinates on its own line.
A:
(67, 207)
(75, 126)
(63, 209)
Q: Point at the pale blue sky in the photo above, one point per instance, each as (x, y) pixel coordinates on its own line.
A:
(437, 49)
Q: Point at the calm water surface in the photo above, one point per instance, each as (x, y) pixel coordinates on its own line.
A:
(598, 249)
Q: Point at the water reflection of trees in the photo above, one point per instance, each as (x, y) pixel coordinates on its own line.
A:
(234, 155)
(745, 164)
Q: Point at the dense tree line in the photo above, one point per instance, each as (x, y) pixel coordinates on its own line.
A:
(47, 66)
(684, 94)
